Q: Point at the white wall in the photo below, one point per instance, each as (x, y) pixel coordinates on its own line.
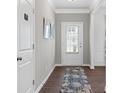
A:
(99, 37)
(44, 49)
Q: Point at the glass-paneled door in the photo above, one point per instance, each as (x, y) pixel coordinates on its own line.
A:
(72, 43)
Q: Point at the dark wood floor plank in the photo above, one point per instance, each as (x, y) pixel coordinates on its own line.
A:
(95, 77)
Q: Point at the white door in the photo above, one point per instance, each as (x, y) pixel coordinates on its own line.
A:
(72, 43)
(25, 52)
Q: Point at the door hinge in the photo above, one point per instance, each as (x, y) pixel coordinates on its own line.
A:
(33, 46)
(33, 11)
(33, 82)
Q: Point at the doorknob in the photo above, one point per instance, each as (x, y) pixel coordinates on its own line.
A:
(19, 58)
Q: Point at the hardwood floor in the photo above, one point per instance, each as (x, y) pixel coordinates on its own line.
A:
(95, 77)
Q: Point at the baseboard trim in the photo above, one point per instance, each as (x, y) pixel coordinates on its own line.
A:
(100, 65)
(92, 67)
(39, 88)
(44, 81)
(59, 65)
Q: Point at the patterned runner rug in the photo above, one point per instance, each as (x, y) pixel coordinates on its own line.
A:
(75, 81)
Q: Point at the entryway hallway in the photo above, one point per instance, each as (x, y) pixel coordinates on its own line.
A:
(54, 34)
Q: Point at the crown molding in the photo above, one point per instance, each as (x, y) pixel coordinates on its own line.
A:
(72, 11)
(96, 5)
(51, 5)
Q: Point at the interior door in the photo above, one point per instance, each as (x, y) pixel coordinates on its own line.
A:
(25, 47)
(72, 43)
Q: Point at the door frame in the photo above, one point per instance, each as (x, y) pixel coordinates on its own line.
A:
(73, 22)
(18, 28)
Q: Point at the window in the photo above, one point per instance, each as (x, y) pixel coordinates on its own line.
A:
(72, 39)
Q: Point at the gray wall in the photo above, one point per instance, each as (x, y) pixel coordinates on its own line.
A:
(72, 18)
(45, 49)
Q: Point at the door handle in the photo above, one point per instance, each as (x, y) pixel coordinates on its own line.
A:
(19, 58)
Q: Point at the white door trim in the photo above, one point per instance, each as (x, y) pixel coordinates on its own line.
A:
(97, 5)
(61, 42)
(91, 41)
(34, 43)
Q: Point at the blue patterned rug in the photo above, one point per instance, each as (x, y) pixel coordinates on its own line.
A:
(75, 81)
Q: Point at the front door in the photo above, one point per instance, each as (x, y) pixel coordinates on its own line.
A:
(25, 47)
(72, 43)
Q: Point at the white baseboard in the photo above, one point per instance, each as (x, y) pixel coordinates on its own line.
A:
(86, 65)
(92, 67)
(39, 88)
(99, 64)
(44, 81)
(59, 65)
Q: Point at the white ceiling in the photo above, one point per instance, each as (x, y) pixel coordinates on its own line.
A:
(79, 4)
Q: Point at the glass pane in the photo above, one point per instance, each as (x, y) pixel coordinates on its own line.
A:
(72, 38)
